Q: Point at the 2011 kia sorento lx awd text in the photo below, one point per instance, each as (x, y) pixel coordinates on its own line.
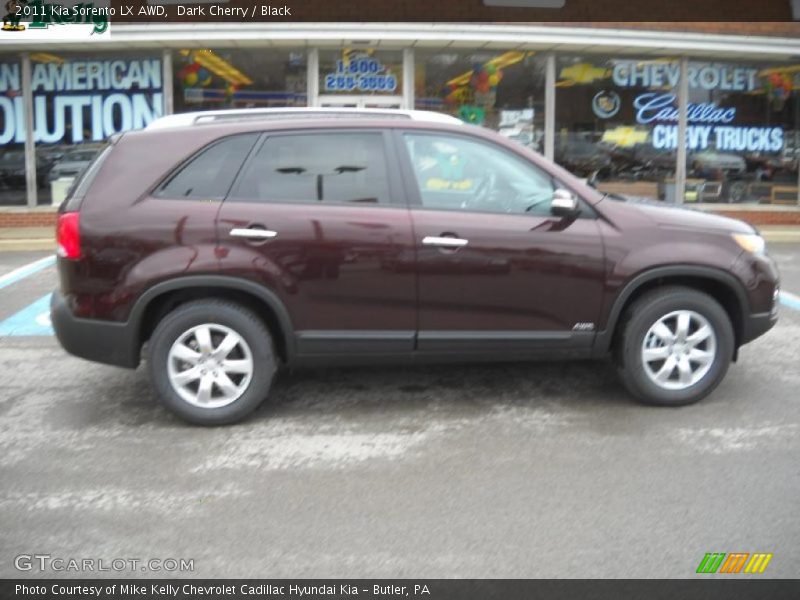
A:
(233, 244)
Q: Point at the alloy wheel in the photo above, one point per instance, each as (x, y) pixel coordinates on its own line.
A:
(679, 349)
(210, 366)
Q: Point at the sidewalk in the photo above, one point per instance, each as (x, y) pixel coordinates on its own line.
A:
(27, 238)
(43, 238)
(776, 234)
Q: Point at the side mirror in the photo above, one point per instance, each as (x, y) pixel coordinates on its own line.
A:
(564, 204)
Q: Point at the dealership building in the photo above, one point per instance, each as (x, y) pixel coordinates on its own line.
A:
(611, 102)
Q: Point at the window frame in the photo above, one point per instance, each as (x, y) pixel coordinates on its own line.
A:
(414, 195)
(158, 190)
(394, 179)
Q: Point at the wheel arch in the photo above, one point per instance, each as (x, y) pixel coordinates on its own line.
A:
(718, 284)
(163, 297)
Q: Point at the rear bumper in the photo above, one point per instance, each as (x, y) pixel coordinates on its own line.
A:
(99, 341)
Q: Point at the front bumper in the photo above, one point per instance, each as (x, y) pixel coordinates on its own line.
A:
(756, 325)
(99, 341)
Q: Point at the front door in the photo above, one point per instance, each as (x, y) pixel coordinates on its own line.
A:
(497, 271)
(317, 218)
(361, 101)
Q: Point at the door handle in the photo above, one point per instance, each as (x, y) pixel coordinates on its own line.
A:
(444, 242)
(253, 233)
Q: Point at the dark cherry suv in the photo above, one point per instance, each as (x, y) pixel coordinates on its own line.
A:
(233, 244)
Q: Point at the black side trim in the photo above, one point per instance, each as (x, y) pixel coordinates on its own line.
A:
(602, 342)
(217, 281)
(501, 341)
(353, 342)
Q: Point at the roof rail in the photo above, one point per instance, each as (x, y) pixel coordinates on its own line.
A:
(269, 114)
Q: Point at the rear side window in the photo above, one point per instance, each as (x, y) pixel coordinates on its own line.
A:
(321, 167)
(209, 173)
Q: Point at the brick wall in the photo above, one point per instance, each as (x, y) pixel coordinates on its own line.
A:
(762, 217)
(23, 218)
(756, 216)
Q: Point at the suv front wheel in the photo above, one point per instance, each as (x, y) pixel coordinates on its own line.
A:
(211, 362)
(676, 346)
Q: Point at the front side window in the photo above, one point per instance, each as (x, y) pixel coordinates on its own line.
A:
(320, 167)
(210, 174)
(457, 173)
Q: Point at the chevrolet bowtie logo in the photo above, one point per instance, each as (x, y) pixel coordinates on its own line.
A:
(732, 563)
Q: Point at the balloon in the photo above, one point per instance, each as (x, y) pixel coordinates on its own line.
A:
(483, 77)
(491, 69)
(194, 67)
(191, 79)
(494, 79)
(203, 74)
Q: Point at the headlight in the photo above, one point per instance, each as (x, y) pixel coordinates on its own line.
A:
(750, 242)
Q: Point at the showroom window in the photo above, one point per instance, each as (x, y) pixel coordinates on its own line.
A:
(208, 79)
(613, 125)
(79, 101)
(360, 78)
(502, 90)
(12, 136)
(743, 132)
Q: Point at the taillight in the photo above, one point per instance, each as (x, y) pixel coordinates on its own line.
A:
(68, 235)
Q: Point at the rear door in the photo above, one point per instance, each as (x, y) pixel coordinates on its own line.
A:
(497, 271)
(318, 217)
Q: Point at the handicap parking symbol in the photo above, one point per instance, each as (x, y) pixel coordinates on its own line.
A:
(31, 320)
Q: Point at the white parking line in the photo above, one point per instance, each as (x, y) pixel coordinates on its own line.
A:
(26, 270)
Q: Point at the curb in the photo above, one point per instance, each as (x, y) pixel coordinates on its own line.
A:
(21, 245)
(789, 237)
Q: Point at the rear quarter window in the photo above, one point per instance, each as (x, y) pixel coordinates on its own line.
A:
(211, 171)
(84, 181)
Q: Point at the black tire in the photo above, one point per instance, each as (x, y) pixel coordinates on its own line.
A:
(636, 323)
(228, 314)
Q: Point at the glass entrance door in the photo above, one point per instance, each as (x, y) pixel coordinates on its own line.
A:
(361, 101)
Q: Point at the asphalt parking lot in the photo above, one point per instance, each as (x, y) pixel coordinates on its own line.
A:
(544, 470)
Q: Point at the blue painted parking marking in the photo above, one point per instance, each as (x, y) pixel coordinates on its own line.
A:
(31, 320)
(790, 300)
(26, 270)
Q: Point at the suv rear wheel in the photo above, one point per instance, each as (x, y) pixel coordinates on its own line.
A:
(675, 348)
(211, 362)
